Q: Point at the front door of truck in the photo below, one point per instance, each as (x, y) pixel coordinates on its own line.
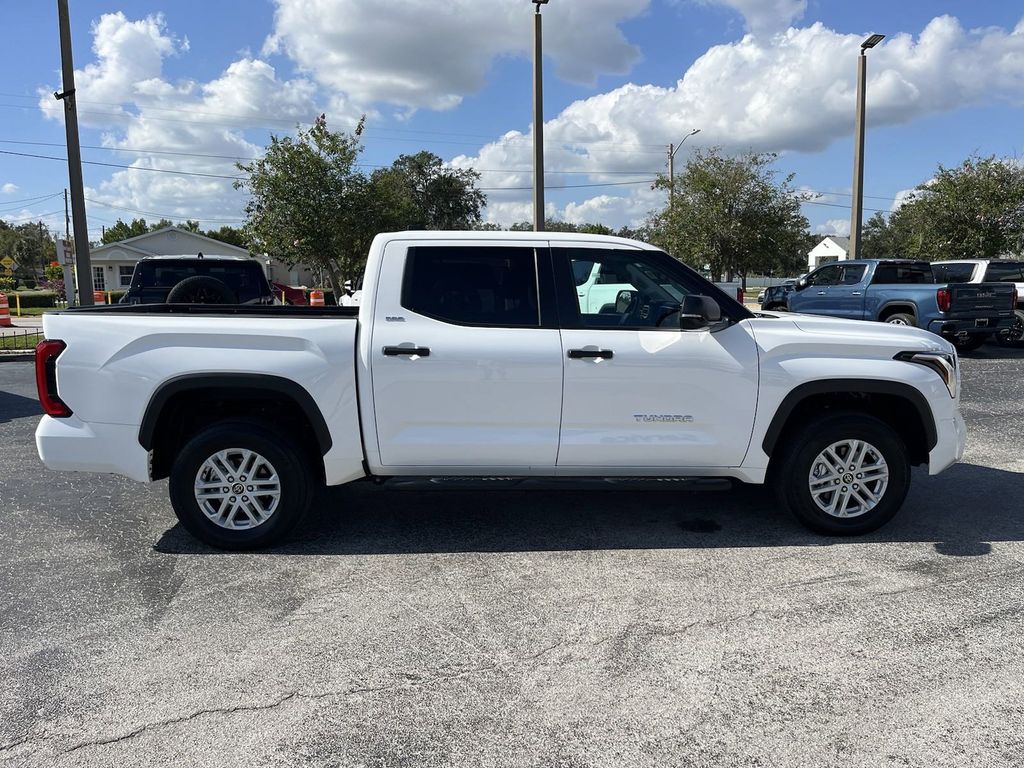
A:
(466, 367)
(846, 298)
(640, 392)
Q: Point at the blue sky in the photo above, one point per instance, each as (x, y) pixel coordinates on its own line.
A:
(166, 85)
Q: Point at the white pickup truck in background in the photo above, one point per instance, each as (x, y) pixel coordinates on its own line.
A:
(473, 356)
(989, 271)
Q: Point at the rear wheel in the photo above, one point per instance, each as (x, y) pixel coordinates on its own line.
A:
(237, 485)
(843, 474)
(1014, 334)
(967, 342)
(901, 318)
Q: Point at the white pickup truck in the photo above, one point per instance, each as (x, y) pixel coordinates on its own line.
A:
(471, 360)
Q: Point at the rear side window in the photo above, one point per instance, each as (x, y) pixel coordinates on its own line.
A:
(1008, 272)
(894, 274)
(853, 274)
(485, 286)
(953, 273)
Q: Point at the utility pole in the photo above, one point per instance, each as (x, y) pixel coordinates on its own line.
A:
(538, 121)
(67, 217)
(857, 210)
(672, 149)
(83, 267)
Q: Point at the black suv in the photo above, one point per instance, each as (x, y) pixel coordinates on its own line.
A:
(198, 280)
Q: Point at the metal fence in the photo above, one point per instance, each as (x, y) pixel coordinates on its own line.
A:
(20, 340)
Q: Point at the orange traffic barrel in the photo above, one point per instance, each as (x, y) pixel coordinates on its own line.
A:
(98, 297)
(316, 298)
(5, 311)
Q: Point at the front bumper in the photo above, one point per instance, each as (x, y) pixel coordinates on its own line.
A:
(74, 445)
(949, 449)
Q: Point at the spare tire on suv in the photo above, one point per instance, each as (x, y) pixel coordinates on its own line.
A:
(201, 289)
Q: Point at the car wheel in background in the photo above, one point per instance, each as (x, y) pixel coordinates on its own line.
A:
(1014, 334)
(845, 473)
(901, 318)
(238, 485)
(967, 342)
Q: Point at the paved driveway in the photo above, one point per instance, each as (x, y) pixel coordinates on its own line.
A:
(517, 628)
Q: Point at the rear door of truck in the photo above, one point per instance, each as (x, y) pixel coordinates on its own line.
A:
(466, 367)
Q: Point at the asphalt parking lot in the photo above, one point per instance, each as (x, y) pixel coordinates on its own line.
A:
(518, 628)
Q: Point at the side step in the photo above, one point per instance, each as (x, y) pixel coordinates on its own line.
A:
(447, 483)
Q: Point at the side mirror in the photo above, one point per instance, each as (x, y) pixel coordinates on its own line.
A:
(802, 283)
(698, 313)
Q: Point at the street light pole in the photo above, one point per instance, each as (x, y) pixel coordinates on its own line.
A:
(672, 149)
(857, 211)
(83, 267)
(538, 120)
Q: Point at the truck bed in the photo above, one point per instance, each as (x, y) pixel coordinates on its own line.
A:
(277, 310)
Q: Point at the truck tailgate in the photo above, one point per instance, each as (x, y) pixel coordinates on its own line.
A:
(981, 300)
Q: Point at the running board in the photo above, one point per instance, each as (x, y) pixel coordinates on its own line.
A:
(415, 483)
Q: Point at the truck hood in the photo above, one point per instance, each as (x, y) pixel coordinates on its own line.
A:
(868, 333)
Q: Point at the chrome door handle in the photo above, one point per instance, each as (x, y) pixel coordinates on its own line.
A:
(821, 293)
(856, 293)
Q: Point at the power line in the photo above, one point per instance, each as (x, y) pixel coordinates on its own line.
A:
(128, 167)
(40, 199)
(164, 215)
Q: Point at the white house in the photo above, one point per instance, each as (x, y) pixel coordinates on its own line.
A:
(831, 248)
(112, 264)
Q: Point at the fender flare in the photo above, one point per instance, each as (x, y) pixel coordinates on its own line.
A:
(236, 381)
(903, 304)
(849, 386)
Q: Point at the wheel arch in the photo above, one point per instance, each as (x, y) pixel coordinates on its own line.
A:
(293, 407)
(895, 307)
(878, 397)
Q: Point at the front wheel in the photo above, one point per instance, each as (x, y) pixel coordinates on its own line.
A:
(843, 474)
(237, 485)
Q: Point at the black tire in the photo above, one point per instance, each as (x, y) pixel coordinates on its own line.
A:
(902, 318)
(201, 289)
(776, 308)
(791, 474)
(286, 458)
(967, 342)
(1008, 337)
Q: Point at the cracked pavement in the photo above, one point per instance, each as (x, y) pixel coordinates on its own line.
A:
(515, 628)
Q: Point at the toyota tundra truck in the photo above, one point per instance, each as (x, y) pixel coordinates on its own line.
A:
(472, 360)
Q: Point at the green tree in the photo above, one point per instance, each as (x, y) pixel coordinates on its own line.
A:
(230, 235)
(733, 214)
(308, 202)
(975, 210)
(122, 231)
(420, 192)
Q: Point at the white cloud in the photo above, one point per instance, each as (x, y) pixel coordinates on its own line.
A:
(424, 53)
(124, 91)
(791, 92)
(9, 188)
(765, 16)
(834, 227)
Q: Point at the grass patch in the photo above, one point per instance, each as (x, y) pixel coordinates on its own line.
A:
(31, 311)
(21, 341)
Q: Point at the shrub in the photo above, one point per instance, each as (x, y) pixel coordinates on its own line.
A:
(54, 272)
(6, 284)
(57, 286)
(36, 299)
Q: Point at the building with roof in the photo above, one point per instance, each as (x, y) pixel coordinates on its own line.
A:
(831, 248)
(113, 264)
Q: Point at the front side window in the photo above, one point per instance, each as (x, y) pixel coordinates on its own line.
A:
(830, 275)
(473, 285)
(635, 289)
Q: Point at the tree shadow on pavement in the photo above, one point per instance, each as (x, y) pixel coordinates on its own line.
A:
(14, 406)
(961, 512)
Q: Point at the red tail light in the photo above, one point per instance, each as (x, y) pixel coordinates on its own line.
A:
(740, 296)
(944, 298)
(47, 352)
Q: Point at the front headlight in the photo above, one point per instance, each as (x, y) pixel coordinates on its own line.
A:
(944, 365)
